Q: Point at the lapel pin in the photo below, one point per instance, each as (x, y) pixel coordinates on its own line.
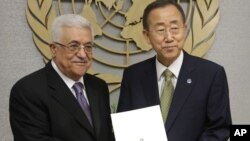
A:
(189, 80)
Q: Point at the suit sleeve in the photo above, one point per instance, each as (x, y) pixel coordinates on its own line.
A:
(124, 102)
(110, 133)
(218, 110)
(28, 118)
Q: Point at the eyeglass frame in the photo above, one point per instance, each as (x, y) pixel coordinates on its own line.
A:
(163, 31)
(87, 49)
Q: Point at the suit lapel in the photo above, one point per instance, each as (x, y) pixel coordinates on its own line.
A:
(183, 89)
(62, 94)
(150, 84)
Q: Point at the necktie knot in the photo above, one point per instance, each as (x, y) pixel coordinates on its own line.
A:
(168, 75)
(78, 86)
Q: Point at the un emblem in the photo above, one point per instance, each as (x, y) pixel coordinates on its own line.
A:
(118, 30)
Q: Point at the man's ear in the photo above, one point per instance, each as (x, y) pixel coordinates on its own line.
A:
(146, 36)
(185, 29)
(53, 49)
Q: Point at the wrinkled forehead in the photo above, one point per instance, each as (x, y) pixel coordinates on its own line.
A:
(75, 31)
(79, 34)
(167, 15)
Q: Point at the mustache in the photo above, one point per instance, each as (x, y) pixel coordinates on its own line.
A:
(80, 60)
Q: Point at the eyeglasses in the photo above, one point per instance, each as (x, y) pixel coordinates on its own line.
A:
(162, 31)
(76, 47)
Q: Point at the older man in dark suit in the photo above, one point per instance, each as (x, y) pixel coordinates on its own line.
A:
(61, 102)
(192, 92)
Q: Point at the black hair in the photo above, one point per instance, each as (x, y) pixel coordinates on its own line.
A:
(159, 4)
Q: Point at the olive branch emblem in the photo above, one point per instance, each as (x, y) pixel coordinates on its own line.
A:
(200, 36)
(202, 28)
(40, 15)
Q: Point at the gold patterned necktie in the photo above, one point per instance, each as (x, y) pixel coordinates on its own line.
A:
(167, 94)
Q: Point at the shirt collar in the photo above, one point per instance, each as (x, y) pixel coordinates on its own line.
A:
(174, 67)
(69, 82)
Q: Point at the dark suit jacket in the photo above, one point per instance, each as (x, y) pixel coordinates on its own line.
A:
(199, 110)
(42, 108)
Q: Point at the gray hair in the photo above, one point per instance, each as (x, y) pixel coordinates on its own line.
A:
(69, 20)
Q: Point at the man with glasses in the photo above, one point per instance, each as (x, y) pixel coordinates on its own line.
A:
(192, 92)
(61, 102)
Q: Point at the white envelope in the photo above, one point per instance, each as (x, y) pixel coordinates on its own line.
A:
(144, 124)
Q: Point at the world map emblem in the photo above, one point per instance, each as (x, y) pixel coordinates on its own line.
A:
(117, 24)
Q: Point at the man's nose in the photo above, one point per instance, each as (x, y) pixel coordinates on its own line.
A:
(81, 52)
(168, 36)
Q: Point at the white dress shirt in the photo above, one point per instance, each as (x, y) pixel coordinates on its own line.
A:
(69, 82)
(174, 68)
